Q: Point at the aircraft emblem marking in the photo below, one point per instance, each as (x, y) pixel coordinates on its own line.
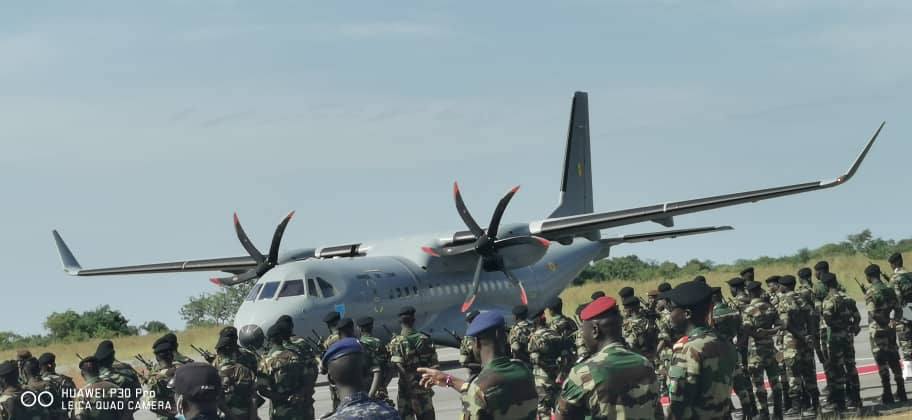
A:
(551, 266)
(579, 169)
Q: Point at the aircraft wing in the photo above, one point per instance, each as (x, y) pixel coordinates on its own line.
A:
(570, 226)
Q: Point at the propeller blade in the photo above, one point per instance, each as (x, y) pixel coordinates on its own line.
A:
(277, 240)
(473, 291)
(499, 211)
(246, 243)
(235, 279)
(518, 283)
(464, 213)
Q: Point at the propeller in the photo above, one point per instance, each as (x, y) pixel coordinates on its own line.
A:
(487, 245)
(264, 262)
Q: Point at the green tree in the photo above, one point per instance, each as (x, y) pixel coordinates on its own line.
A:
(153, 327)
(214, 308)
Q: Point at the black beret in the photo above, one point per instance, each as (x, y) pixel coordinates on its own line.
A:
(226, 341)
(716, 290)
(751, 285)
(346, 323)
(521, 310)
(170, 337)
(664, 287)
(631, 301)
(46, 359)
(735, 281)
(787, 280)
(197, 380)
(8, 368)
(332, 317)
(689, 294)
(773, 279)
(895, 258)
(469, 316)
(828, 278)
(822, 265)
(276, 330)
(407, 310)
(700, 278)
(747, 270)
(804, 273)
(872, 270)
(554, 303)
(625, 291)
(161, 345)
(105, 350)
(596, 294)
(365, 321)
(229, 332)
(91, 360)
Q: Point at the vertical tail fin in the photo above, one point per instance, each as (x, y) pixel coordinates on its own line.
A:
(576, 184)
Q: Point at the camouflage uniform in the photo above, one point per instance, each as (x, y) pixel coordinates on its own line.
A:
(582, 353)
(566, 328)
(842, 319)
(64, 388)
(614, 383)
(727, 325)
(160, 395)
(700, 376)
(881, 303)
(238, 389)
(762, 352)
(503, 390)
(359, 406)
(95, 401)
(519, 339)
(668, 336)
(409, 351)
(288, 382)
(467, 357)
(329, 341)
(375, 350)
(11, 407)
(797, 354)
(251, 360)
(639, 336)
(546, 351)
(126, 378)
(902, 285)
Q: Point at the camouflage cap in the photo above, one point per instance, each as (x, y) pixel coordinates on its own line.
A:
(625, 292)
(599, 307)
(787, 280)
(872, 270)
(804, 273)
(365, 321)
(747, 270)
(197, 381)
(895, 258)
(47, 359)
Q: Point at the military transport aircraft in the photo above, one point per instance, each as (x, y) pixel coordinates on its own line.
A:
(491, 268)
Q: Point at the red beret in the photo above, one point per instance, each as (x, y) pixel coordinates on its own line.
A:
(598, 307)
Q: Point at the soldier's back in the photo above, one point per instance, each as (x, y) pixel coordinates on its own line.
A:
(504, 389)
(359, 406)
(639, 336)
(562, 325)
(11, 407)
(98, 400)
(700, 376)
(726, 321)
(238, 388)
(519, 339)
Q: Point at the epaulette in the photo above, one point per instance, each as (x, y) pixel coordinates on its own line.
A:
(678, 345)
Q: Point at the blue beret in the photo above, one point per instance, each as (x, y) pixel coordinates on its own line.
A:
(341, 348)
(485, 321)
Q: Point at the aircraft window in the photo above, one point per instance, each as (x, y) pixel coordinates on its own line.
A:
(406, 291)
(398, 292)
(269, 290)
(415, 289)
(326, 288)
(391, 274)
(391, 293)
(292, 288)
(253, 292)
(378, 275)
(312, 288)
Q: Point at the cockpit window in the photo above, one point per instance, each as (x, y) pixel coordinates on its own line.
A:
(269, 290)
(326, 288)
(312, 288)
(253, 292)
(292, 288)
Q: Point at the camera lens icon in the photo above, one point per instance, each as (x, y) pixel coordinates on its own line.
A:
(30, 399)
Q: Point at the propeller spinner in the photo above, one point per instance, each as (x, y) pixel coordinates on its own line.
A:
(264, 263)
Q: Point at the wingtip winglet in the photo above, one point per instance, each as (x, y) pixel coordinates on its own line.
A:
(855, 165)
(70, 264)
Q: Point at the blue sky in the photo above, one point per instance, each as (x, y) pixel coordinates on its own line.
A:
(137, 128)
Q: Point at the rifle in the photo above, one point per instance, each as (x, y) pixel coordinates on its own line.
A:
(145, 362)
(863, 289)
(206, 354)
(78, 356)
(456, 336)
(314, 345)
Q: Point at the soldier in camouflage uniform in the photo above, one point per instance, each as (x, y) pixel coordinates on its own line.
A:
(64, 387)
(249, 359)
(408, 351)
(726, 323)
(373, 371)
(332, 323)
(795, 314)
(466, 354)
(843, 320)
(345, 362)
(624, 293)
(614, 382)
(883, 315)
(21, 357)
(760, 321)
(160, 394)
(35, 384)
(667, 336)
(239, 383)
(520, 333)
(700, 376)
(547, 350)
(95, 401)
(375, 349)
(637, 331)
(179, 359)
(902, 285)
(504, 389)
(11, 406)
(285, 379)
(121, 374)
(563, 326)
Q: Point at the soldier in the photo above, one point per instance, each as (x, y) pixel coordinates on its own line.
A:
(667, 336)
(843, 321)
(615, 382)
(98, 399)
(33, 381)
(408, 351)
(239, 399)
(804, 289)
(21, 357)
(374, 348)
(373, 373)
(254, 342)
(637, 331)
(64, 387)
(624, 293)
(795, 314)
(345, 362)
(547, 352)
(179, 359)
(884, 315)
(760, 323)
(332, 322)
(700, 376)
(121, 374)
(726, 323)
(198, 388)
(162, 397)
(504, 389)
(466, 355)
(651, 298)
(902, 284)
(249, 359)
(747, 274)
(285, 379)
(520, 333)
(771, 296)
